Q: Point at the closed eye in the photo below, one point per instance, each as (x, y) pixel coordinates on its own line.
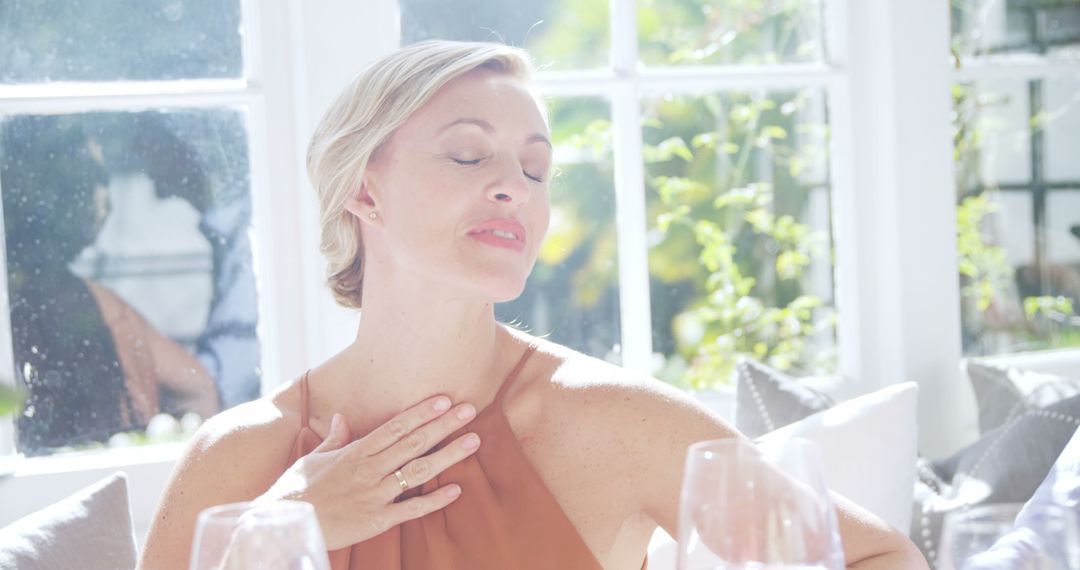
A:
(467, 162)
(533, 178)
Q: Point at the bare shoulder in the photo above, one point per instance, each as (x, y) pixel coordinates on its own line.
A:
(620, 402)
(235, 456)
(630, 430)
(254, 439)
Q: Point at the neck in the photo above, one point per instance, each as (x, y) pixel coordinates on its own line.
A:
(412, 349)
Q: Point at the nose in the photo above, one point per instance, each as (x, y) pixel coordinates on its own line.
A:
(511, 186)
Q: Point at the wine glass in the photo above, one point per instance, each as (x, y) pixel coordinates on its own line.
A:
(747, 507)
(278, 535)
(1010, 536)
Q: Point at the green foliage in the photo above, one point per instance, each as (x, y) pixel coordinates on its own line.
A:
(983, 267)
(727, 235)
(11, 400)
(1053, 307)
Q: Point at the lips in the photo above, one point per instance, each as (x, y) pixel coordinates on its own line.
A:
(502, 227)
(500, 232)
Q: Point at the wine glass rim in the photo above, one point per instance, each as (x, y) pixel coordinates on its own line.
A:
(722, 444)
(272, 510)
(736, 442)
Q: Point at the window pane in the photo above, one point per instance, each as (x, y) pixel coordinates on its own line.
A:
(1063, 247)
(82, 40)
(1018, 186)
(984, 27)
(698, 32)
(572, 295)
(739, 233)
(559, 34)
(129, 269)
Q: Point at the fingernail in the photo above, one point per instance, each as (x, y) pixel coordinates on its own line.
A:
(453, 491)
(471, 441)
(442, 404)
(465, 412)
(334, 421)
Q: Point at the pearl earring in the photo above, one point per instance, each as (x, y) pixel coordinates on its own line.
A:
(372, 215)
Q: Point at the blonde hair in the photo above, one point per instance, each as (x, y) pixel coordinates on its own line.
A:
(362, 119)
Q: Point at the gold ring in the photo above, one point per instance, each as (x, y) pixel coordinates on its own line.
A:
(401, 480)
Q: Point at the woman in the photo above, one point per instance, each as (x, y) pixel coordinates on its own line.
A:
(432, 172)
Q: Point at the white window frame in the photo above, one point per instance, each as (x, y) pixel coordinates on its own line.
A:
(893, 199)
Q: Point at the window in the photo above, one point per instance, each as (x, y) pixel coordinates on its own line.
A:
(691, 222)
(127, 203)
(1018, 181)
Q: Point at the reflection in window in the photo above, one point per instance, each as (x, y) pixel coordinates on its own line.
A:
(739, 233)
(1018, 186)
(84, 40)
(129, 270)
(559, 34)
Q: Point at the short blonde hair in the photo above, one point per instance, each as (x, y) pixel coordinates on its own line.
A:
(363, 118)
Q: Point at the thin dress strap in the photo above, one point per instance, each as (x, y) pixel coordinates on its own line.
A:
(304, 400)
(514, 373)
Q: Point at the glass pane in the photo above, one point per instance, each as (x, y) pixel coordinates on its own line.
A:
(129, 270)
(1018, 187)
(1063, 245)
(559, 34)
(739, 233)
(702, 32)
(985, 27)
(82, 40)
(1061, 127)
(572, 296)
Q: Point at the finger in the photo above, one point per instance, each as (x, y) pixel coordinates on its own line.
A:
(337, 436)
(423, 439)
(419, 506)
(423, 469)
(402, 425)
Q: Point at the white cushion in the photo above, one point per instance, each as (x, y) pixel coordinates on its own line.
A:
(868, 446)
(90, 530)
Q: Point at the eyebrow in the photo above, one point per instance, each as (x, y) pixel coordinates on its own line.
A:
(486, 126)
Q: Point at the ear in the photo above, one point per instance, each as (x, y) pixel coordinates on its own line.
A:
(362, 202)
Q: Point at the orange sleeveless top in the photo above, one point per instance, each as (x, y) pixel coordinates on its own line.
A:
(505, 517)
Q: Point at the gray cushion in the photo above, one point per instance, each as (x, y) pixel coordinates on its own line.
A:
(90, 530)
(1005, 465)
(767, 399)
(1003, 392)
(994, 393)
